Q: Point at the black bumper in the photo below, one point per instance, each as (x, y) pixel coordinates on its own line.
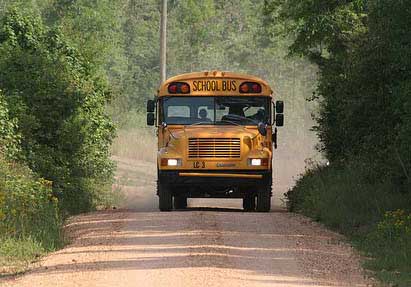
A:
(206, 186)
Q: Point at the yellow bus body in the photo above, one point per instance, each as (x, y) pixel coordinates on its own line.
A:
(177, 143)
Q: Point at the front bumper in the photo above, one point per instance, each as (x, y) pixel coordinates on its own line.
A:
(220, 175)
(217, 184)
(226, 177)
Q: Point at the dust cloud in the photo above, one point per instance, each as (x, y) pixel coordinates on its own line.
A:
(134, 152)
(135, 181)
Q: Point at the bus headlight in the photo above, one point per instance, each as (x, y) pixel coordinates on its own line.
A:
(258, 161)
(170, 162)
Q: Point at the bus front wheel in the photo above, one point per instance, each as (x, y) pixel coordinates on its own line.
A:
(165, 197)
(180, 202)
(264, 199)
(249, 203)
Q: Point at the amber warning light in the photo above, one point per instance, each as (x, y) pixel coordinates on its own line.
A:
(179, 88)
(250, 88)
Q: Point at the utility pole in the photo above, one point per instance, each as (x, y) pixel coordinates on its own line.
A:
(163, 42)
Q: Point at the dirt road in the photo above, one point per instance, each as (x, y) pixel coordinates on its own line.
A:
(198, 247)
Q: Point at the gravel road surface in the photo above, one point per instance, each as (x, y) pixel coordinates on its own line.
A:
(202, 246)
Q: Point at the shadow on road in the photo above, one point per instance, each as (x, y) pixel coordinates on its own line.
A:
(252, 247)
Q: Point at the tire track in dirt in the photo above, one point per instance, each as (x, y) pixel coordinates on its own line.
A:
(217, 246)
(199, 247)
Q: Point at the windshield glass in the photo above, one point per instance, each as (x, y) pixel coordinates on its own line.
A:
(215, 110)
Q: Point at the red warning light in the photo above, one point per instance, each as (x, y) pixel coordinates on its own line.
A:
(256, 88)
(179, 88)
(185, 89)
(244, 88)
(172, 89)
(250, 88)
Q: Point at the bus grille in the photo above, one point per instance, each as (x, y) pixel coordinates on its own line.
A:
(214, 148)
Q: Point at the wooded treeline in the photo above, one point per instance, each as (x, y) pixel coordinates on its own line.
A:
(363, 51)
(72, 70)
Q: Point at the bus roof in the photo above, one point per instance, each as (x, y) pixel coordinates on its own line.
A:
(214, 75)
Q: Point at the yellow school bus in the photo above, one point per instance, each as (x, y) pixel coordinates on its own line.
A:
(216, 132)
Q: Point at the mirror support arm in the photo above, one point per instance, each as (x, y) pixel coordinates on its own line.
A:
(275, 138)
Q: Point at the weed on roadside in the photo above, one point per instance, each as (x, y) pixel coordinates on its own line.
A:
(375, 217)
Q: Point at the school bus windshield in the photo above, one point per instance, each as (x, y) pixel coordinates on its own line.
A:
(230, 110)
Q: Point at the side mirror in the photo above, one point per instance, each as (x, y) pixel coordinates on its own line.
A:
(150, 119)
(262, 129)
(151, 106)
(279, 120)
(279, 107)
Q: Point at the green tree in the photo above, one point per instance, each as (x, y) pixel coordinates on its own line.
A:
(362, 51)
(60, 107)
(9, 138)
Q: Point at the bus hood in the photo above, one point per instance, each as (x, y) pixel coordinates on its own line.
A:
(215, 132)
(229, 143)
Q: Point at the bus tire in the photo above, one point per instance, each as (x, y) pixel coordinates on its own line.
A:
(249, 203)
(180, 202)
(165, 197)
(264, 200)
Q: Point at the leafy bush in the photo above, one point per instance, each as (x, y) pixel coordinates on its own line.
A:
(59, 103)
(363, 51)
(27, 206)
(342, 197)
(55, 136)
(390, 240)
(9, 139)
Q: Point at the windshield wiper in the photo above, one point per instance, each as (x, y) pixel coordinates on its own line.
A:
(230, 122)
(200, 123)
(236, 124)
(238, 117)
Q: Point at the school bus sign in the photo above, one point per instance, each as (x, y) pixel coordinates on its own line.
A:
(216, 132)
(215, 86)
(219, 86)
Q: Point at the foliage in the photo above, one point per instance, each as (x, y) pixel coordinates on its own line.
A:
(9, 139)
(29, 218)
(27, 206)
(362, 49)
(371, 214)
(17, 253)
(391, 241)
(339, 197)
(60, 107)
(141, 74)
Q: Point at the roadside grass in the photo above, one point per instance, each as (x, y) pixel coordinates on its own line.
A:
(135, 144)
(17, 254)
(30, 222)
(375, 216)
(134, 151)
(135, 141)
